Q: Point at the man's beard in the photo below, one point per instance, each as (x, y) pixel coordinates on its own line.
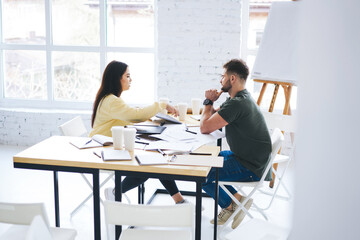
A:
(226, 87)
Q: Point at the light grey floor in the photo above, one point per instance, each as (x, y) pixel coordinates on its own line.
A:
(21, 185)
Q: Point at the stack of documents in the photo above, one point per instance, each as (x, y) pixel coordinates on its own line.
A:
(182, 139)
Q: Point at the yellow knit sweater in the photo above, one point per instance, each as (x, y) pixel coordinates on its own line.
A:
(113, 111)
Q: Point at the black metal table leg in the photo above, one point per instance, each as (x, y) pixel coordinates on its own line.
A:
(56, 198)
(216, 201)
(198, 211)
(96, 197)
(142, 193)
(118, 196)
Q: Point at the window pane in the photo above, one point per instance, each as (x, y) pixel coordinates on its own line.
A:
(257, 21)
(130, 23)
(25, 74)
(75, 22)
(259, 11)
(141, 66)
(76, 75)
(24, 21)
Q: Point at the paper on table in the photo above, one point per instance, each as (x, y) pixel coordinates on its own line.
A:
(150, 158)
(196, 117)
(175, 133)
(176, 146)
(196, 160)
(177, 139)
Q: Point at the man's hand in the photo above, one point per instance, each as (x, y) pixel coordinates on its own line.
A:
(212, 94)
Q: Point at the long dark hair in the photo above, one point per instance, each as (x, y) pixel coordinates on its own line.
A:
(110, 84)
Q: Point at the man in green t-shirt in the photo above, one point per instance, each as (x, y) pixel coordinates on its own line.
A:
(246, 134)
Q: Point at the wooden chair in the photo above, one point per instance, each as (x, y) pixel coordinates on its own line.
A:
(277, 138)
(27, 225)
(175, 222)
(75, 127)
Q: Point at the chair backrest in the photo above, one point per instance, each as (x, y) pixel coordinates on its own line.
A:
(277, 139)
(75, 127)
(38, 230)
(286, 123)
(179, 215)
(22, 213)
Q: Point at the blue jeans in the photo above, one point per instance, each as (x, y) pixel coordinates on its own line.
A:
(231, 171)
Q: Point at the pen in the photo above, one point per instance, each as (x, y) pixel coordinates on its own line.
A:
(190, 131)
(97, 155)
(160, 151)
(204, 154)
(88, 142)
(142, 142)
(187, 130)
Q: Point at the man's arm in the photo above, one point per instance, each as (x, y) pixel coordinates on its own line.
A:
(210, 119)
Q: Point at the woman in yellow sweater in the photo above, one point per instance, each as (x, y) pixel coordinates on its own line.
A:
(110, 110)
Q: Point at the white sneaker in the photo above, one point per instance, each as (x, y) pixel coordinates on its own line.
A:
(109, 194)
(223, 216)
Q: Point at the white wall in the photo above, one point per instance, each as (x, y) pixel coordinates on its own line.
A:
(195, 38)
(23, 127)
(327, 193)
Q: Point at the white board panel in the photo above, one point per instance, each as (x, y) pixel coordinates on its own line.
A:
(277, 56)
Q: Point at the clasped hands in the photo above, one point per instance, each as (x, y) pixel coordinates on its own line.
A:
(213, 94)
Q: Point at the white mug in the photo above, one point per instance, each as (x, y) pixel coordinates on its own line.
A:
(118, 138)
(182, 111)
(195, 106)
(129, 138)
(164, 100)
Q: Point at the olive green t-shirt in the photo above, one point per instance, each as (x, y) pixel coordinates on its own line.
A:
(247, 134)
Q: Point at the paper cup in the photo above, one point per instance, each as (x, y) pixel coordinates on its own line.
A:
(118, 138)
(195, 106)
(164, 100)
(182, 111)
(129, 138)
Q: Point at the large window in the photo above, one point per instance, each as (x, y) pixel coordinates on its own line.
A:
(53, 52)
(254, 16)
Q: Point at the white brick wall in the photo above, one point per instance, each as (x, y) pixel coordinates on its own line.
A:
(195, 38)
(29, 126)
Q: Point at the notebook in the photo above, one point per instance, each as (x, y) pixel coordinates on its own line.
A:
(147, 129)
(115, 155)
(168, 118)
(96, 141)
(150, 158)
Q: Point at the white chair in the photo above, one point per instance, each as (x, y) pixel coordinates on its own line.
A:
(277, 138)
(287, 124)
(75, 127)
(175, 222)
(38, 230)
(27, 226)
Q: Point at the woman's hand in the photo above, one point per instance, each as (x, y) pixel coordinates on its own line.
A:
(172, 110)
